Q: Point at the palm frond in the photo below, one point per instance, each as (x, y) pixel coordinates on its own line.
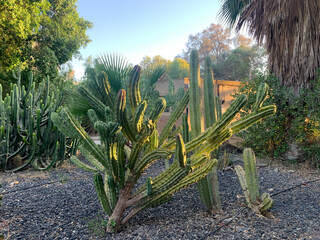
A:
(231, 10)
(116, 67)
(154, 74)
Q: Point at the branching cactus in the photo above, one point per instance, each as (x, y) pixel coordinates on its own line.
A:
(27, 135)
(250, 184)
(218, 125)
(118, 167)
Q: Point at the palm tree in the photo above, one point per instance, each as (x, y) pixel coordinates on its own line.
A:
(290, 30)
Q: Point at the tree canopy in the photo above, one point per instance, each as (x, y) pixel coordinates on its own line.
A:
(213, 41)
(290, 31)
(40, 35)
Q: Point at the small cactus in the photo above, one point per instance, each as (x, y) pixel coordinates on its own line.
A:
(250, 184)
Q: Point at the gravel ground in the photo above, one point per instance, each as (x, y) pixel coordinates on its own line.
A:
(68, 208)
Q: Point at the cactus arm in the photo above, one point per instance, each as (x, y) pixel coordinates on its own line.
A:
(139, 115)
(82, 165)
(173, 118)
(159, 107)
(133, 88)
(214, 143)
(261, 96)
(187, 180)
(99, 185)
(243, 182)
(121, 116)
(151, 157)
(72, 128)
(252, 118)
(107, 93)
(180, 154)
(251, 175)
(266, 202)
(185, 127)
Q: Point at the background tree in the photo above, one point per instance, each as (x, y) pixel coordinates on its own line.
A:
(151, 63)
(40, 35)
(238, 64)
(291, 32)
(213, 41)
(19, 19)
(178, 68)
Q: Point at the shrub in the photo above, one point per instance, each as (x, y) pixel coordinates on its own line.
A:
(296, 121)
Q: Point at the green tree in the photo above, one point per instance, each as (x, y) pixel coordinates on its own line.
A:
(213, 41)
(178, 68)
(238, 64)
(40, 35)
(19, 19)
(290, 31)
(151, 63)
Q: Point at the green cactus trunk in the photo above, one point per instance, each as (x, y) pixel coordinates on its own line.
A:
(196, 116)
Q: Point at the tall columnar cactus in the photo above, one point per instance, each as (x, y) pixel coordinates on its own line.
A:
(250, 184)
(118, 168)
(196, 100)
(222, 125)
(209, 186)
(27, 135)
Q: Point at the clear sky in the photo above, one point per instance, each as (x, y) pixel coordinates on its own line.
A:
(136, 28)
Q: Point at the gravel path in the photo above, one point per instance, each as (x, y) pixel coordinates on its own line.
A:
(69, 209)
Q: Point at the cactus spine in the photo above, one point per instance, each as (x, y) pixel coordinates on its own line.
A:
(249, 182)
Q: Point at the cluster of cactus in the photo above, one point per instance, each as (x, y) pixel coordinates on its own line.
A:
(27, 135)
(130, 143)
(250, 184)
(222, 124)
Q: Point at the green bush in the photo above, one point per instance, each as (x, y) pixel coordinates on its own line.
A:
(296, 121)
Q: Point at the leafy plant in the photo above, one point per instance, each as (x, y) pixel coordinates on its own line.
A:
(27, 135)
(123, 166)
(296, 121)
(250, 184)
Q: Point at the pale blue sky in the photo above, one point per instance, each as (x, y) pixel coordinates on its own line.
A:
(138, 28)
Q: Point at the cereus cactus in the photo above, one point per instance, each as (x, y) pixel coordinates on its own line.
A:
(27, 135)
(250, 184)
(130, 143)
(218, 125)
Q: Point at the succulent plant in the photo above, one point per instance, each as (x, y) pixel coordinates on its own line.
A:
(27, 135)
(218, 125)
(130, 143)
(250, 184)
